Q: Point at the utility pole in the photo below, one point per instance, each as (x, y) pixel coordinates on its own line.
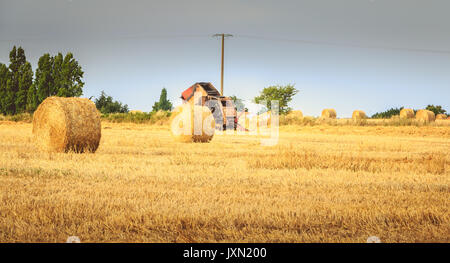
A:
(223, 46)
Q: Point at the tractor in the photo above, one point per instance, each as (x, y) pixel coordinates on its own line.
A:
(222, 107)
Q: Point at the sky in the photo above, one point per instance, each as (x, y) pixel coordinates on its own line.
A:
(348, 54)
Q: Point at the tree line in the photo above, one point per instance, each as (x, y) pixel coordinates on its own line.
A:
(437, 109)
(20, 92)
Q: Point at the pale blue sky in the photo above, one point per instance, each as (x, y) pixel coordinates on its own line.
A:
(131, 49)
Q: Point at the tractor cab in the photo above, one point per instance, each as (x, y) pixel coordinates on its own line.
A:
(222, 107)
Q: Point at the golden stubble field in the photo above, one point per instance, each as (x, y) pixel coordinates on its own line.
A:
(319, 184)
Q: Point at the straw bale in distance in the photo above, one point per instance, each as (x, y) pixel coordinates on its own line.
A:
(329, 114)
(184, 116)
(425, 115)
(407, 114)
(67, 124)
(441, 117)
(359, 115)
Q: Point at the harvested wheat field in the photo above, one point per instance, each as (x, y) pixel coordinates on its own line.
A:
(320, 183)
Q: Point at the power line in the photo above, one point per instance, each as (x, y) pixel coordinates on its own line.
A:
(110, 38)
(327, 43)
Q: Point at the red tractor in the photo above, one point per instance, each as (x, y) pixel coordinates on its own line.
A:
(222, 107)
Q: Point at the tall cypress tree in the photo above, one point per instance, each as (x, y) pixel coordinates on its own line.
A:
(25, 83)
(4, 76)
(32, 98)
(43, 78)
(12, 102)
(58, 76)
(163, 103)
(68, 81)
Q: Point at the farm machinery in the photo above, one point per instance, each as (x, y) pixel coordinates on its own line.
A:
(222, 107)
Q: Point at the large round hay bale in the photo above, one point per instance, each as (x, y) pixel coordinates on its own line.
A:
(359, 115)
(329, 114)
(407, 114)
(67, 124)
(425, 115)
(182, 123)
(441, 117)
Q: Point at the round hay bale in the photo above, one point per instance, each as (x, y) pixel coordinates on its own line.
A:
(425, 115)
(359, 115)
(329, 114)
(67, 124)
(182, 123)
(441, 117)
(407, 114)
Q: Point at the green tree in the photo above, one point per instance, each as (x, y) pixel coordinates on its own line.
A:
(240, 106)
(283, 94)
(163, 103)
(32, 99)
(10, 95)
(43, 81)
(105, 104)
(387, 114)
(4, 76)
(25, 83)
(67, 76)
(58, 76)
(11, 102)
(436, 109)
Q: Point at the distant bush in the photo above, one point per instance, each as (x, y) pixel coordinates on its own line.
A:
(21, 117)
(436, 109)
(387, 114)
(158, 117)
(105, 105)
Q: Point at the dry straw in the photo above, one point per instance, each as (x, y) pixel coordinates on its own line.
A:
(265, 119)
(441, 117)
(259, 122)
(359, 115)
(296, 114)
(425, 115)
(67, 124)
(407, 114)
(135, 111)
(182, 123)
(329, 114)
(246, 122)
